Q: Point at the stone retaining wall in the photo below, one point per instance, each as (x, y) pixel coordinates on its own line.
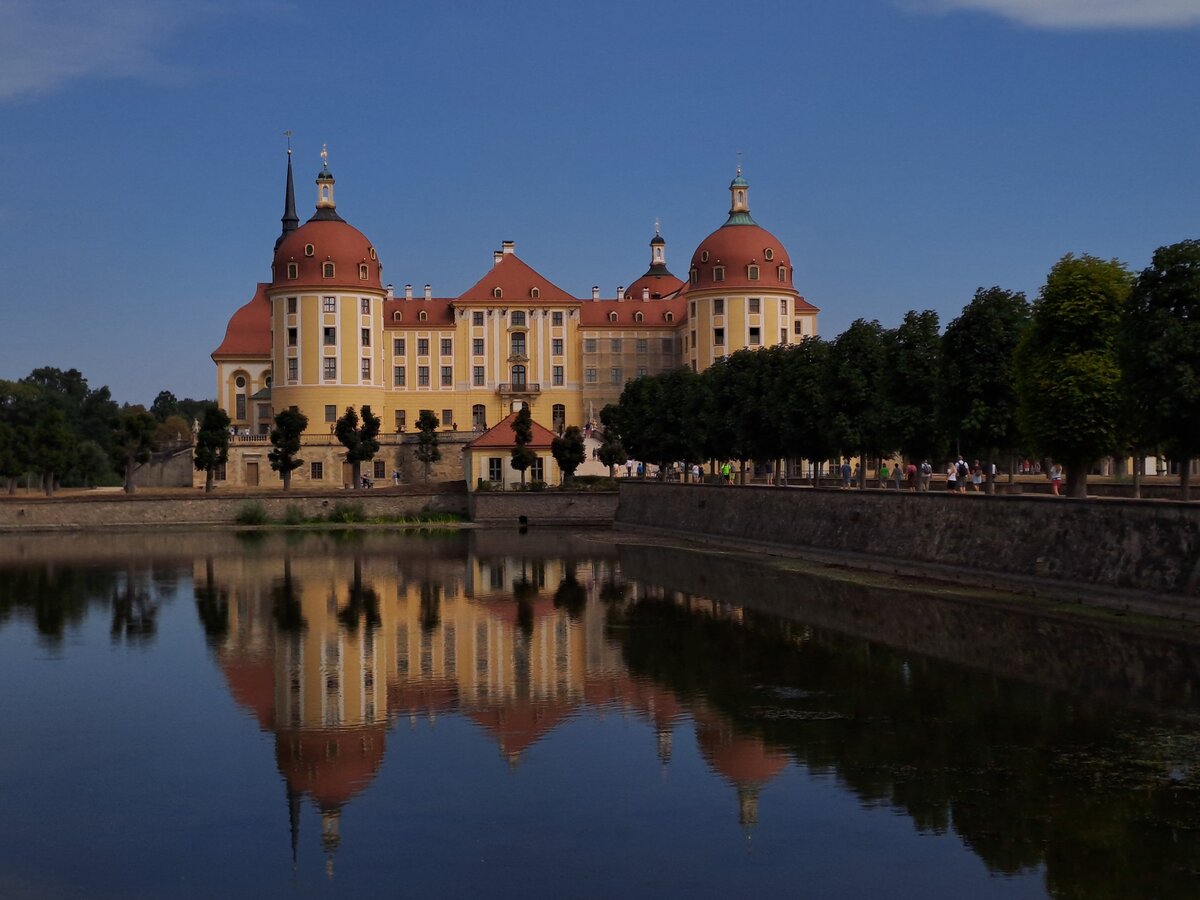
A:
(101, 511)
(1140, 555)
(542, 507)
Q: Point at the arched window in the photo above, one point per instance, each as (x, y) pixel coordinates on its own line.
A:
(783, 273)
(612, 317)
(327, 269)
(518, 343)
(396, 316)
(534, 293)
(558, 415)
(293, 270)
(637, 317)
(362, 271)
(423, 316)
(479, 417)
(497, 293)
(670, 317)
(518, 378)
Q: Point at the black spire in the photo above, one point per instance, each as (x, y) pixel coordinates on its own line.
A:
(290, 220)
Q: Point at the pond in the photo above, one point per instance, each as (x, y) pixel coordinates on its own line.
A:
(570, 714)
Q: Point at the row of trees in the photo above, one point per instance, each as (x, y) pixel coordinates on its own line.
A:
(1102, 363)
(54, 427)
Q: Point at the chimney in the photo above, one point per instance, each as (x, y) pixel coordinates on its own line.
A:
(428, 292)
(620, 292)
(408, 292)
(595, 292)
(391, 293)
(645, 293)
(508, 247)
(497, 255)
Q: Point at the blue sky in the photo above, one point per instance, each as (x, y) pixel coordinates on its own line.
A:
(905, 152)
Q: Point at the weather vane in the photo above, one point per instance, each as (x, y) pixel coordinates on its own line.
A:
(657, 225)
(324, 156)
(288, 134)
(739, 162)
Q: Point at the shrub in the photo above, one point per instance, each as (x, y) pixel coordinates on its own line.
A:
(347, 512)
(253, 513)
(293, 515)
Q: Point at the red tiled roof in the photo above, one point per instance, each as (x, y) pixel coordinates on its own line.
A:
(598, 313)
(734, 248)
(501, 435)
(516, 279)
(661, 285)
(440, 311)
(332, 241)
(249, 329)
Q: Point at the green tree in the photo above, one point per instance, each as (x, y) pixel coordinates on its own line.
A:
(804, 398)
(212, 444)
(133, 442)
(978, 394)
(1068, 371)
(522, 456)
(164, 406)
(569, 452)
(612, 450)
(358, 439)
(1160, 356)
(858, 383)
(427, 451)
(285, 444)
(16, 432)
(53, 447)
(914, 376)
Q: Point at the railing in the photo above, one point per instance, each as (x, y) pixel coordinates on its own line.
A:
(519, 387)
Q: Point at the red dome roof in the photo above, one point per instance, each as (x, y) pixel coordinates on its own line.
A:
(334, 241)
(736, 248)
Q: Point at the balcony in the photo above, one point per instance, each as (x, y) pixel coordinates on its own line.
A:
(519, 387)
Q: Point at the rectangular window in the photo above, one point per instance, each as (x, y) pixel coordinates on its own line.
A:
(641, 371)
(293, 337)
(398, 347)
(719, 307)
(668, 344)
(364, 306)
(380, 468)
(291, 306)
(366, 337)
(447, 347)
(241, 407)
(614, 375)
(589, 345)
(693, 339)
(316, 471)
(752, 273)
(537, 471)
(495, 468)
(755, 305)
(783, 310)
(293, 369)
(476, 318)
(556, 318)
(797, 328)
(330, 413)
(783, 335)
(423, 376)
(477, 346)
(366, 369)
(755, 337)
(719, 337)
(642, 345)
(556, 347)
(330, 369)
(447, 418)
(718, 273)
(400, 419)
(422, 346)
(329, 304)
(558, 376)
(477, 376)
(616, 345)
(447, 376)
(692, 310)
(589, 375)
(518, 317)
(330, 336)
(398, 376)
(293, 270)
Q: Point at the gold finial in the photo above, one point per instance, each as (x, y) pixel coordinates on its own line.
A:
(325, 156)
(288, 134)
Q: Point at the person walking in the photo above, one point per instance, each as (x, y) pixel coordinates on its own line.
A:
(845, 473)
(883, 475)
(976, 476)
(952, 478)
(1056, 474)
(926, 474)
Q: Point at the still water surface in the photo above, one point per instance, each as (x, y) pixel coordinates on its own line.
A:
(565, 715)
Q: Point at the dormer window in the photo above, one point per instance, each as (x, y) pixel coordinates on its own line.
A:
(637, 317)
(694, 275)
(422, 316)
(309, 250)
(362, 271)
(293, 270)
(612, 317)
(703, 256)
(497, 293)
(669, 316)
(327, 269)
(534, 293)
(783, 273)
(752, 273)
(396, 316)
(768, 254)
(718, 273)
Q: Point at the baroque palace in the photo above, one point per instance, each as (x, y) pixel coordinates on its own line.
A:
(327, 333)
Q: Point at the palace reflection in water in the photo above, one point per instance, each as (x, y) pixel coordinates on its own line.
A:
(1060, 753)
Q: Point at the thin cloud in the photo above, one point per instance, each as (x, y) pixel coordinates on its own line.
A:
(47, 44)
(1076, 14)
